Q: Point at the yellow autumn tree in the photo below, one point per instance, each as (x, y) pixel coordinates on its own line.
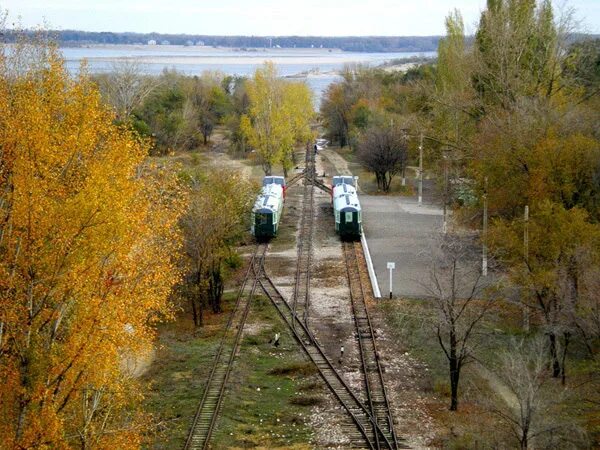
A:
(87, 232)
(280, 114)
(299, 111)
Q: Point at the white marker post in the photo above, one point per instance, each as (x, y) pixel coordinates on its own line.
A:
(391, 266)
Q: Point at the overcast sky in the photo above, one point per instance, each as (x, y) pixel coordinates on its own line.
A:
(264, 17)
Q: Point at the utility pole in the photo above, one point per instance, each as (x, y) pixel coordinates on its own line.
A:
(484, 262)
(421, 170)
(445, 224)
(526, 256)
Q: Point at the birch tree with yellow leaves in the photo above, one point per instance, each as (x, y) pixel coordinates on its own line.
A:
(298, 107)
(279, 117)
(87, 235)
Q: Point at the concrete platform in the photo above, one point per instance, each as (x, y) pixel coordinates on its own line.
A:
(399, 230)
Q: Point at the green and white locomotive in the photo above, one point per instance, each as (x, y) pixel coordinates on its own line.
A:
(267, 209)
(346, 208)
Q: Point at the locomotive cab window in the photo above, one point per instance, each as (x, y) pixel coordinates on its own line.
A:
(261, 219)
(348, 217)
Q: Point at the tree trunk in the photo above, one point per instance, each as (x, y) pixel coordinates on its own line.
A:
(563, 369)
(524, 439)
(343, 141)
(379, 181)
(194, 311)
(454, 373)
(198, 301)
(200, 323)
(266, 168)
(216, 288)
(387, 182)
(21, 420)
(554, 356)
(345, 135)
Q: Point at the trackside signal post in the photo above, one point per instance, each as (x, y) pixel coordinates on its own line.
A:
(391, 266)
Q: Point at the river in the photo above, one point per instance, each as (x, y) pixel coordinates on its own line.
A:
(319, 67)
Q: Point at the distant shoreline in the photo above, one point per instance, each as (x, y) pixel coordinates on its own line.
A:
(195, 55)
(358, 44)
(207, 48)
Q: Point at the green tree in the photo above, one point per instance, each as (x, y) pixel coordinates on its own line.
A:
(517, 51)
(563, 248)
(220, 206)
(336, 111)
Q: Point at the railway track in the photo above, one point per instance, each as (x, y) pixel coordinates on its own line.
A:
(301, 297)
(371, 423)
(295, 179)
(376, 429)
(376, 396)
(365, 433)
(205, 419)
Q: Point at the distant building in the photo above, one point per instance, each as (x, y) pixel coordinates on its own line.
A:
(189, 43)
(200, 43)
(278, 46)
(165, 42)
(151, 42)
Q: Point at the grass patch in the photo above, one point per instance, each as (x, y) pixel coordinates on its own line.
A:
(263, 406)
(260, 407)
(176, 377)
(307, 400)
(294, 369)
(252, 340)
(309, 386)
(472, 426)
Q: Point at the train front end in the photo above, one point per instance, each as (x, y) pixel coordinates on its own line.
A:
(348, 213)
(266, 213)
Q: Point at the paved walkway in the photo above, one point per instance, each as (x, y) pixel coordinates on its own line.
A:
(399, 230)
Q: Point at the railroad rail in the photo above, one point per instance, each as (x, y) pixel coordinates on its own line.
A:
(301, 297)
(367, 433)
(205, 419)
(321, 186)
(295, 179)
(376, 395)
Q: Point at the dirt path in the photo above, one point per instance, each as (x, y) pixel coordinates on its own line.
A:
(498, 386)
(224, 160)
(337, 163)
